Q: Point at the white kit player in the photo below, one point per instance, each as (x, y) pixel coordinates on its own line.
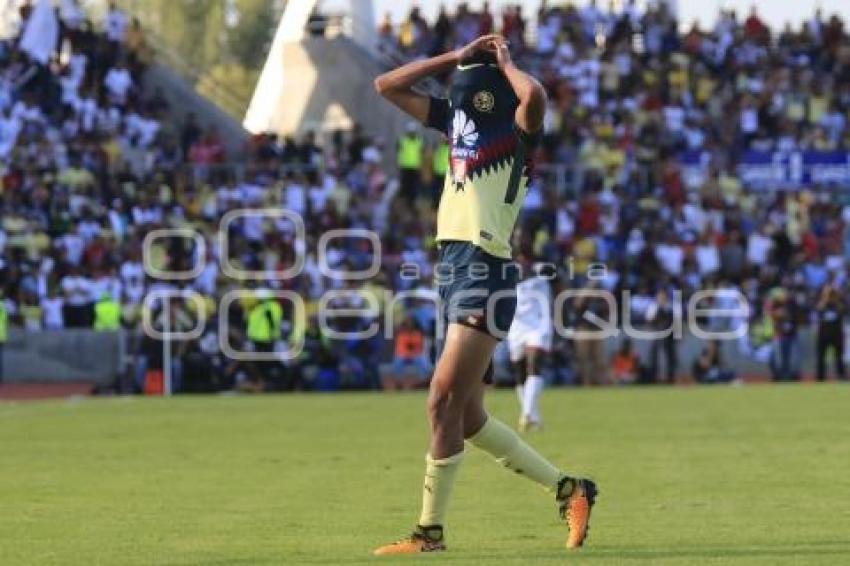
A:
(530, 341)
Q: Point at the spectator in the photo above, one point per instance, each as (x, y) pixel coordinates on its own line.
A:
(115, 25)
(410, 153)
(782, 309)
(663, 318)
(189, 133)
(118, 82)
(207, 150)
(139, 52)
(263, 329)
(53, 308)
(625, 366)
(107, 314)
(830, 311)
(78, 305)
(589, 347)
(175, 317)
(410, 367)
(708, 367)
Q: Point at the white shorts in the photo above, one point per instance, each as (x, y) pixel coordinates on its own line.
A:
(522, 336)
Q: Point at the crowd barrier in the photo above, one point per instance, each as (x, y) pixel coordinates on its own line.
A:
(102, 357)
(62, 356)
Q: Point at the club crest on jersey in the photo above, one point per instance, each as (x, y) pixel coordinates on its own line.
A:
(484, 101)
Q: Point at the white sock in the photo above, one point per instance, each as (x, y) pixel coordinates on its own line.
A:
(520, 394)
(530, 406)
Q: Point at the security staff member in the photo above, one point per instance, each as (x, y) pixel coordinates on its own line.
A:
(410, 148)
(263, 330)
(107, 314)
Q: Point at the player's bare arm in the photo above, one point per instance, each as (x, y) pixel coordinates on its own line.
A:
(531, 95)
(397, 85)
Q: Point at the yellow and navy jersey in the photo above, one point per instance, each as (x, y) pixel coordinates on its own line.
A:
(488, 166)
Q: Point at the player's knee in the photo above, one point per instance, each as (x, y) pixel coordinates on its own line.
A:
(473, 419)
(443, 406)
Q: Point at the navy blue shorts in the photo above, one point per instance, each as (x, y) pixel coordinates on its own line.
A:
(476, 289)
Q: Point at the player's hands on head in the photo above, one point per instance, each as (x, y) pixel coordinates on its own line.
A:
(503, 54)
(483, 43)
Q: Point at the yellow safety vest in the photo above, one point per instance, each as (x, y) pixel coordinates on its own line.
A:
(410, 152)
(441, 159)
(107, 315)
(260, 327)
(4, 322)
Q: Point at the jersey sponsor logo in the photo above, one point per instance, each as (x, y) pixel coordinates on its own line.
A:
(464, 131)
(484, 101)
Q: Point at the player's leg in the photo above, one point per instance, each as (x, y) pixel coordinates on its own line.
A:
(474, 415)
(574, 496)
(464, 360)
(457, 377)
(538, 344)
(534, 384)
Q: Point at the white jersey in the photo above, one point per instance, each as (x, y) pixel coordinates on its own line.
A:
(533, 302)
(532, 325)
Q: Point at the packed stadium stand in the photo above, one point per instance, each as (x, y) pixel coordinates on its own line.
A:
(674, 160)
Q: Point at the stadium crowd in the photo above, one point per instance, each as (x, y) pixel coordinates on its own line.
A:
(93, 160)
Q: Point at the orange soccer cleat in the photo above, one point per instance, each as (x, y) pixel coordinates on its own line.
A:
(575, 509)
(423, 539)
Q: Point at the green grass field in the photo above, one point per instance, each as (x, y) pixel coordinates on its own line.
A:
(758, 474)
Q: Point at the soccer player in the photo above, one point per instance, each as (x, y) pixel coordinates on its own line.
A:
(530, 341)
(492, 117)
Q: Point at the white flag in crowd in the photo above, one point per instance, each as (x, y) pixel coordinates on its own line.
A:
(41, 32)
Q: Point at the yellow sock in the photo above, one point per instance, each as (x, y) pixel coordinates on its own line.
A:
(505, 445)
(439, 480)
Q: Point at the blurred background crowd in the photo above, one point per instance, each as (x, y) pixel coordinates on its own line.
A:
(93, 161)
